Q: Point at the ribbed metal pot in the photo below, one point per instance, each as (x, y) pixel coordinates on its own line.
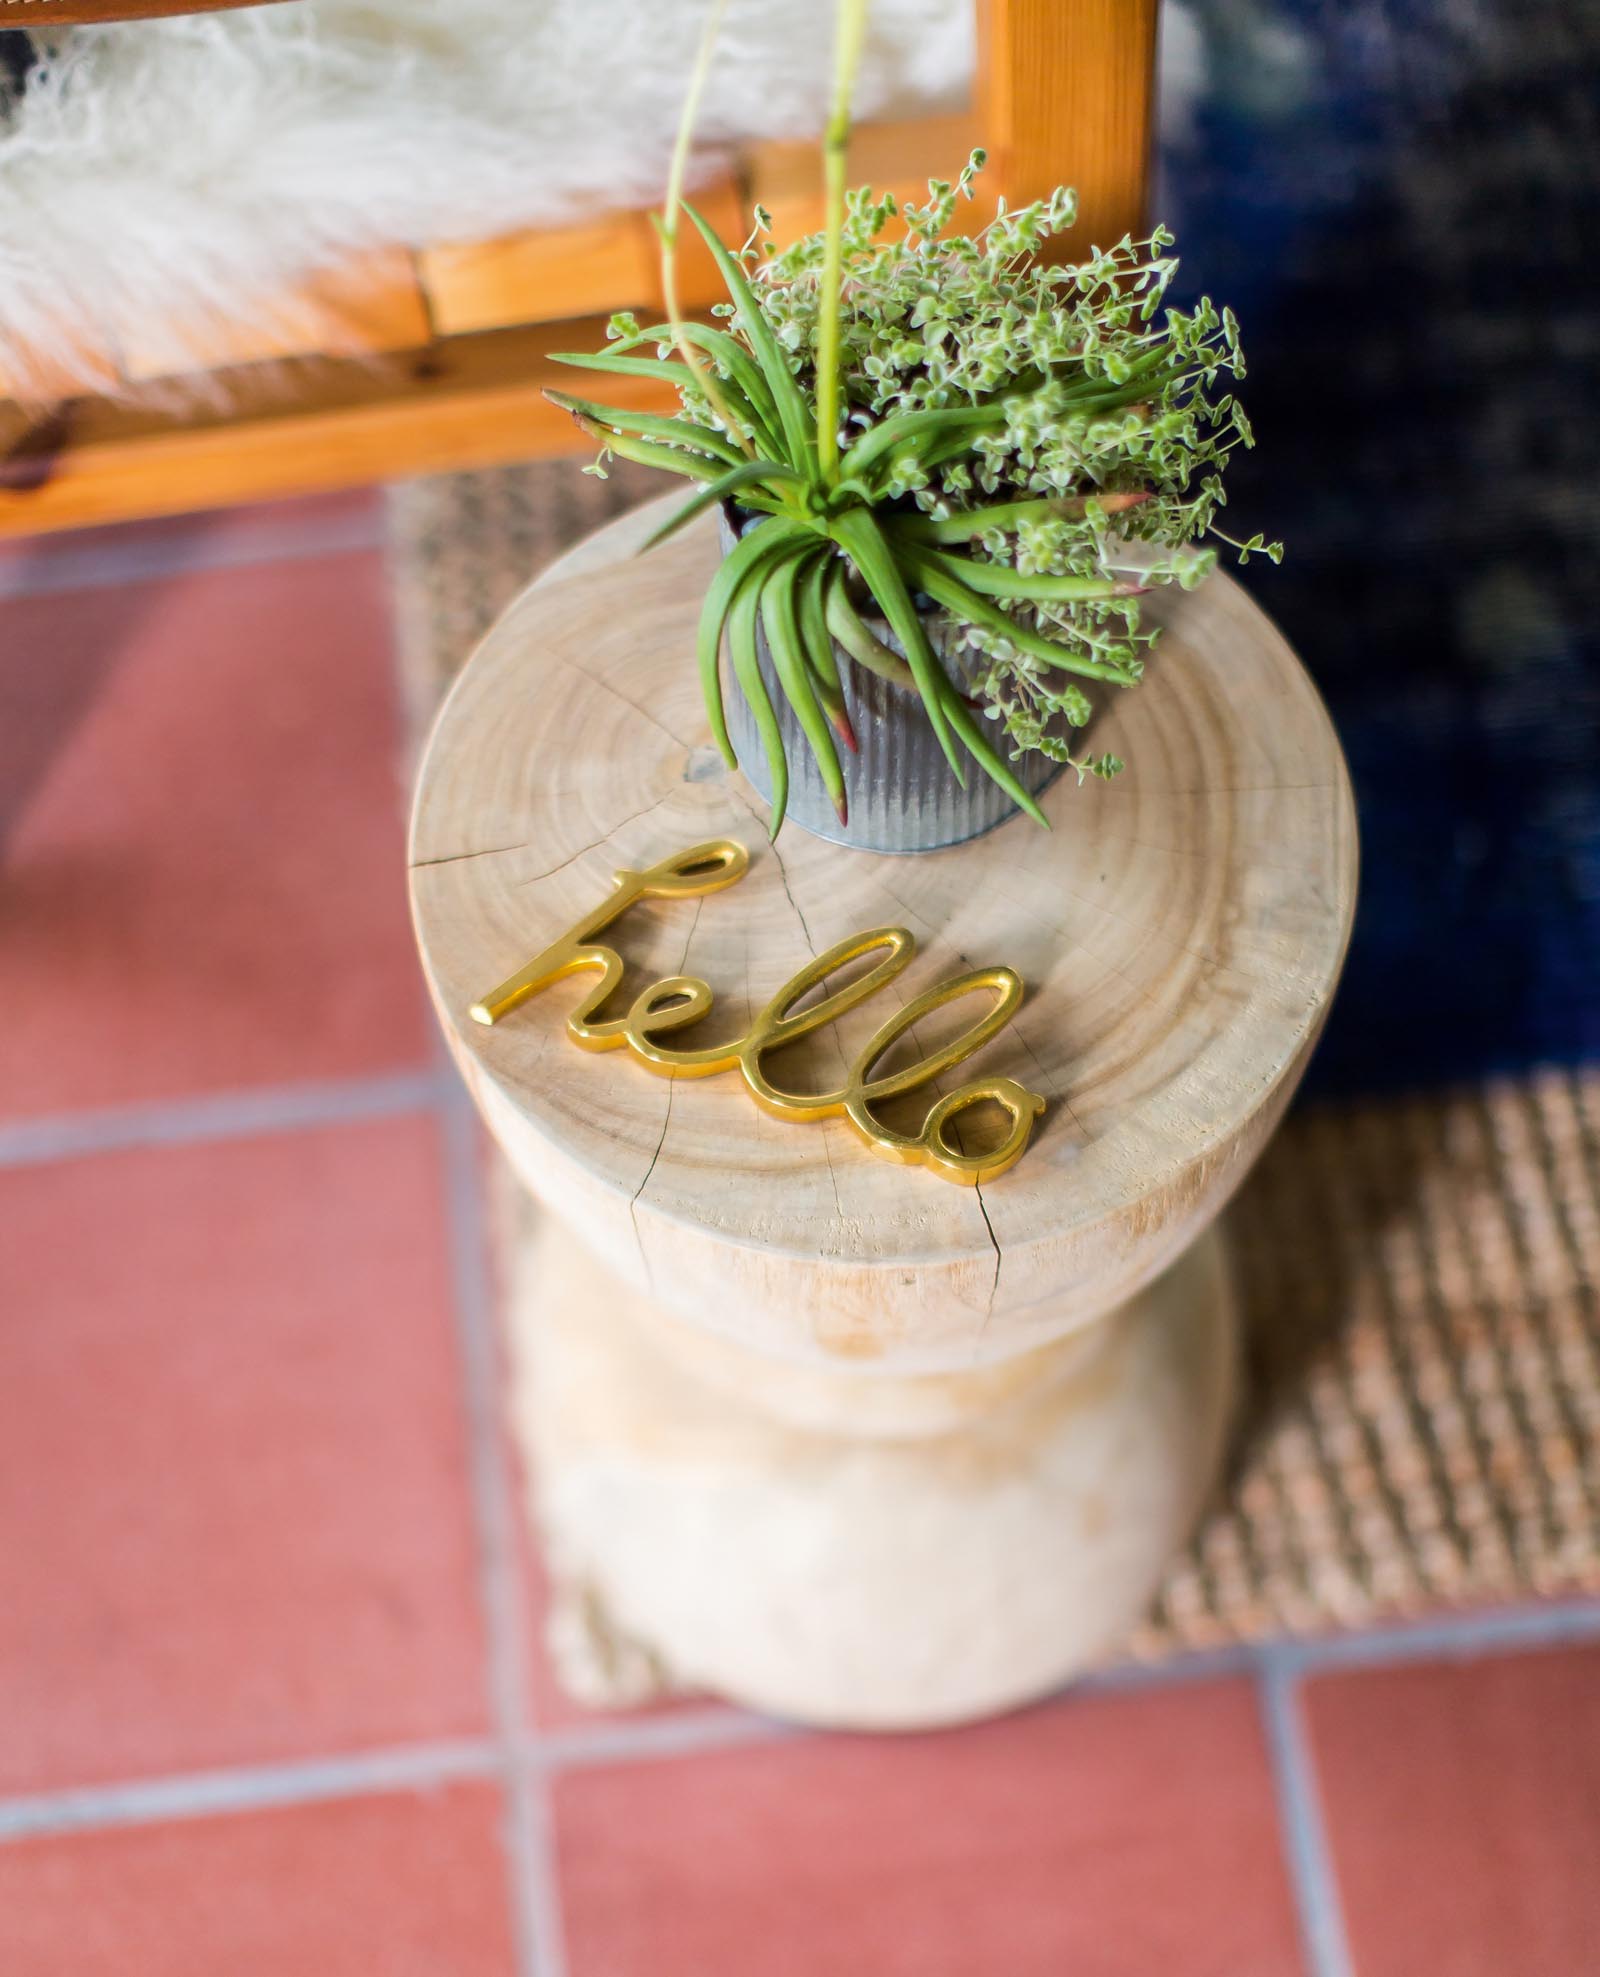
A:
(901, 794)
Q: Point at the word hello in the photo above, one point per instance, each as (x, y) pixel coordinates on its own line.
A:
(672, 1004)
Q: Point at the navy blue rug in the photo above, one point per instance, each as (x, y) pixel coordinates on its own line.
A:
(1402, 201)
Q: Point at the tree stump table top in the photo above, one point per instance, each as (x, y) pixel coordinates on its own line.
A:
(1179, 932)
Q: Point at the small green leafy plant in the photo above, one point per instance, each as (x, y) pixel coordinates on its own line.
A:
(926, 420)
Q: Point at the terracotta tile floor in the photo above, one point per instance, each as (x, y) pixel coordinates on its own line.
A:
(265, 1631)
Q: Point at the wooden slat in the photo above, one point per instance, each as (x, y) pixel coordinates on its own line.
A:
(1064, 98)
(786, 178)
(605, 264)
(296, 428)
(374, 303)
(532, 277)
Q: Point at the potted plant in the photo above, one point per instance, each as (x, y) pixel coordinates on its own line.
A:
(947, 471)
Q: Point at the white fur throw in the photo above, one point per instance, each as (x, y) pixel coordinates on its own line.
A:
(157, 177)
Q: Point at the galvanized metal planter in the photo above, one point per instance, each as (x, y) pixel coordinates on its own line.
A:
(902, 795)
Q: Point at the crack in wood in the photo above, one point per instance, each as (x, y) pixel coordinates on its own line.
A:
(999, 1258)
(458, 857)
(538, 877)
(526, 844)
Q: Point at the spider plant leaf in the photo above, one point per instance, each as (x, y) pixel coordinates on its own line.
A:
(745, 558)
(859, 535)
(1010, 515)
(671, 372)
(799, 428)
(1092, 400)
(737, 364)
(817, 643)
(843, 493)
(964, 602)
(670, 459)
(909, 435)
(857, 638)
(832, 699)
(997, 580)
(754, 473)
(812, 609)
(650, 425)
(960, 718)
(779, 616)
(747, 670)
(668, 368)
(930, 453)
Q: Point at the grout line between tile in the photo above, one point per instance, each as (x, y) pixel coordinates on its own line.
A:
(250, 1788)
(218, 1116)
(1277, 1667)
(546, 1938)
(100, 566)
(535, 1910)
(1189, 1665)
(636, 1739)
(722, 1725)
(1560, 1623)
(1300, 1821)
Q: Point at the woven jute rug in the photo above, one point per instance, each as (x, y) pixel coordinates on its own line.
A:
(1420, 1277)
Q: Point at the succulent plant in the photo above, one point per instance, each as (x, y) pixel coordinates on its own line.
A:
(945, 419)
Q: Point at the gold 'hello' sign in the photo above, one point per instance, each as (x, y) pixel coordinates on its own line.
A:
(677, 1001)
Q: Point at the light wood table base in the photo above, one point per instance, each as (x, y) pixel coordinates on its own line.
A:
(860, 1550)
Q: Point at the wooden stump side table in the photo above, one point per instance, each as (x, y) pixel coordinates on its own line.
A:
(829, 1435)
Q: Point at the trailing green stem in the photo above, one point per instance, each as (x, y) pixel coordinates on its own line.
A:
(965, 603)
(667, 226)
(849, 35)
(1011, 515)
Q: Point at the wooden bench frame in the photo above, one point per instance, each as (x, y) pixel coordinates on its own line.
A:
(431, 361)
